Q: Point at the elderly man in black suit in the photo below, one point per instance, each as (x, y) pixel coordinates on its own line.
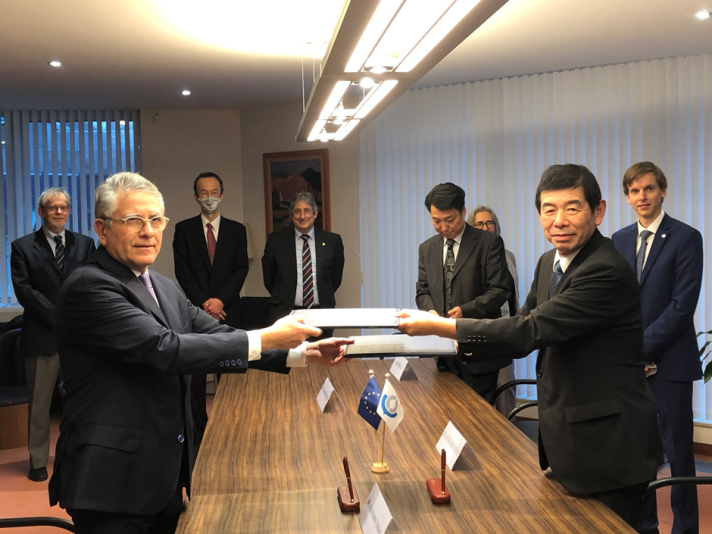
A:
(302, 266)
(40, 263)
(211, 264)
(597, 422)
(127, 338)
(462, 272)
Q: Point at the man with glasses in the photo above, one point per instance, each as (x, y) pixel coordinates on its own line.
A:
(302, 266)
(40, 262)
(598, 429)
(127, 339)
(211, 264)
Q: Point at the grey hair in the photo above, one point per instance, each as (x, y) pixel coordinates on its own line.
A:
(303, 197)
(479, 209)
(51, 192)
(108, 192)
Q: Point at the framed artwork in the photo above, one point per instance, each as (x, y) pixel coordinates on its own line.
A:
(289, 173)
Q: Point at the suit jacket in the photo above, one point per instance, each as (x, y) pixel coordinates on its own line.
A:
(127, 422)
(670, 288)
(598, 426)
(279, 269)
(225, 277)
(37, 281)
(481, 281)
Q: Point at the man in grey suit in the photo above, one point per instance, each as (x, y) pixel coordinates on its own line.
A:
(597, 422)
(462, 272)
(128, 339)
(41, 261)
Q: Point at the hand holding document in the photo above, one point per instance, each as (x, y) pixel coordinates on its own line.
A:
(421, 323)
(328, 352)
(287, 333)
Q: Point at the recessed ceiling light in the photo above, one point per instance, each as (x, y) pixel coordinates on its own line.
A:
(378, 70)
(367, 83)
(185, 92)
(316, 49)
(702, 15)
(55, 63)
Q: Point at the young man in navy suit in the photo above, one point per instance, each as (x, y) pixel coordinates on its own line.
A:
(667, 256)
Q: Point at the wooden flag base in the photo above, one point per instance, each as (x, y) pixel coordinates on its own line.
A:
(380, 467)
(435, 490)
(345, 500)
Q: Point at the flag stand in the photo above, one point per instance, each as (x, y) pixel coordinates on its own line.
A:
(381, 466)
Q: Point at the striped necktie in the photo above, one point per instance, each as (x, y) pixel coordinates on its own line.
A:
(555, 278)
(307, 280)
(640, 256)
(59, 252)
(448, 270)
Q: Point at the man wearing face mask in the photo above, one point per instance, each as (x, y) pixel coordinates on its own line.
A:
(210, 255)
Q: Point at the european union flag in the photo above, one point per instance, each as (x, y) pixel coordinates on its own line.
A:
(368, 404)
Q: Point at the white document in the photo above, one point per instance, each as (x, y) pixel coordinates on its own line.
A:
(399, 366)
(324, 394)
(375, 515)
(453, 443)
(350, 317)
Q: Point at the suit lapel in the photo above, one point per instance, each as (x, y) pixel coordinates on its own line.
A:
(320, 248)
(467, 245)
(546, 269)
(659, 240)
(43, 247)
(436, 259)
(169, 312)
(137, 287)
(628, 242)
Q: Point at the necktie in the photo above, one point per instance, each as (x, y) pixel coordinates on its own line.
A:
(555, 278)
(307, 281)
(448, 270)
(211, 243)
(640, 256)
(147, 282)
(59, 252)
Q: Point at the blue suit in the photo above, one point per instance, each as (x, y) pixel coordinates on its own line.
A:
(670, 288)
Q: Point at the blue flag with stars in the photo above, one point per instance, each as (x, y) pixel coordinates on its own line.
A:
(368, 405)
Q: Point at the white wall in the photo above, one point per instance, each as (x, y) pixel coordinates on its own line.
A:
(177, 145)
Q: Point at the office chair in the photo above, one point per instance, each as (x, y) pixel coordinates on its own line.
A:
(529, 428)
(677, 481)
(16, 522)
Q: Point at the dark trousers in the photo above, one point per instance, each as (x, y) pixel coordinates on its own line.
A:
(164, 522)
(199, 409)
(624, 501)
(484, 384)
(673, 401)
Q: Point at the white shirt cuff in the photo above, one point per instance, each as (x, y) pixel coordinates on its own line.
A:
(254, 345)
(298, 357)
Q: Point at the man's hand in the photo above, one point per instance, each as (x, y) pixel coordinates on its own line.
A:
(455, 313)
(214, 308)
(420, 323)
(287, 333)
(328, 352)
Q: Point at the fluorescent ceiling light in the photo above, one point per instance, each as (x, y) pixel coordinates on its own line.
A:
(367, 83)
(55, 63)
(334, 99)
(316, 49)
(439, 31)
(374, 98)
(379, 22)
(318, 126)
(345, 129)
(702, 15)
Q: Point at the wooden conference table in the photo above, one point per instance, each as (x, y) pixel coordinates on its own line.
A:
(271, 461)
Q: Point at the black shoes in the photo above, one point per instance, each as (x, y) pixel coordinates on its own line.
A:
(38, 475)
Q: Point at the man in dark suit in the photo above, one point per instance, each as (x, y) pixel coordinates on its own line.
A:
(126, 340)
(667, 257)
(597, 422)
(40, 263)
(210, 255)
(462, 272)
(288, 265)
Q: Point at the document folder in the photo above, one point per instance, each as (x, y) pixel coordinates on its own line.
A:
(400, 345)
(350, 317)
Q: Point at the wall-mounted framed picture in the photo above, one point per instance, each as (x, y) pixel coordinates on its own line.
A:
(289, 173)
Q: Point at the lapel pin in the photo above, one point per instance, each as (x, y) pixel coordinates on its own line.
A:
(663, 236)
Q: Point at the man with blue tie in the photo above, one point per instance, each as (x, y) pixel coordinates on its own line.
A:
(667, 257)
(41, 261)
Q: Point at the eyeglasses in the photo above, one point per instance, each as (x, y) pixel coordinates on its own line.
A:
(481, 224)
(307, 212)
(553, 213)
(136, 224)
(57, 209)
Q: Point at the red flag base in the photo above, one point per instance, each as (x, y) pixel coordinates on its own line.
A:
(435, 490)
(345, 500)
(380, 467)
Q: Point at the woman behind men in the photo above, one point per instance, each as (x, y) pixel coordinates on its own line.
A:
(484, 218)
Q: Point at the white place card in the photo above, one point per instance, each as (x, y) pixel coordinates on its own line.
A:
(453, 443)
(375, 515)
(324, 394)
(399, 366)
